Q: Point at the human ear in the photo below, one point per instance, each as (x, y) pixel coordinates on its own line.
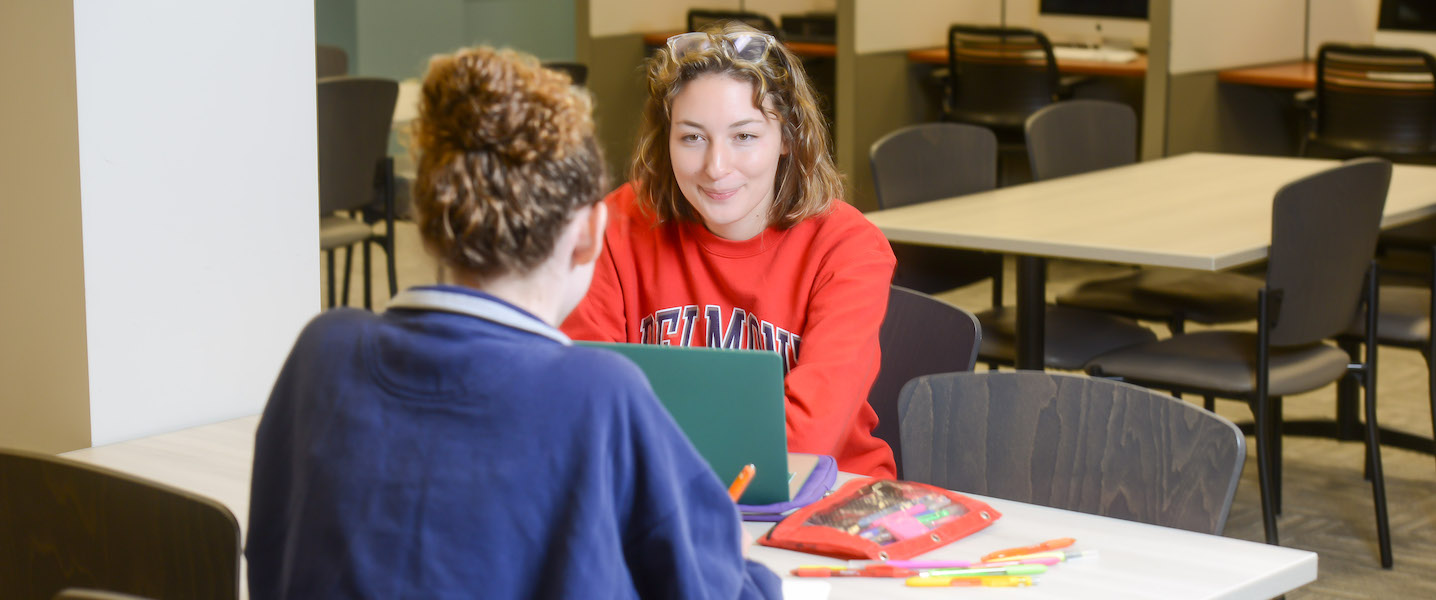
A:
(591, 225)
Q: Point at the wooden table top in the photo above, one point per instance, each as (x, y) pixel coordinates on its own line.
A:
(803, 49)
(1297, 75)
(1135, 68)
(1198, 211)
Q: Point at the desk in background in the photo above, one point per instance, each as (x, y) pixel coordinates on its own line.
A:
(1137, 560)
(1297, 75)
(1136, 68)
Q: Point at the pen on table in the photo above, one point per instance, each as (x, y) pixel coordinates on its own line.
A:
(740, 483)
(876, 570)
(985, 581)
(980, 571)
(1048, 545)
(1060, 555)
(912, 564)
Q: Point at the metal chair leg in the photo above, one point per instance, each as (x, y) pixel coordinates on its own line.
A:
(368, 293)
(348, 270)
(329, 260)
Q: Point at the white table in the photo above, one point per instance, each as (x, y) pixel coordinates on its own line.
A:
(1198, 211)
(1137, 561)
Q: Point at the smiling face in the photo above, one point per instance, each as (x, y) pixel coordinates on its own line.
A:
(725, 155)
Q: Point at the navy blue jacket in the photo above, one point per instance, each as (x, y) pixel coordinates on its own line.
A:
(432, 454)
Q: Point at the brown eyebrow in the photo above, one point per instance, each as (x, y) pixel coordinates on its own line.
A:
(742, 123)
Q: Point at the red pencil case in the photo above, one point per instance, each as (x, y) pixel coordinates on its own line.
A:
(881, 519)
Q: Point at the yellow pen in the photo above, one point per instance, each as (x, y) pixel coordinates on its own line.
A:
(985, 581)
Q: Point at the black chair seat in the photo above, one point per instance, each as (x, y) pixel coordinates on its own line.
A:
(1404, 318)
(1205, 296)
(338, 232)
(1419, 235)
(1223, 361)
(1164, 294)
(1072, 336)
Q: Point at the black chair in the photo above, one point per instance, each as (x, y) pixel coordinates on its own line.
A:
(932, 161)
(997, 77)
(330, 61)
(578, 72)
(67, 524)
(921, 335)
(1079, 136)
(1073, 442)
(355, 173)
(1319, 274)
(1373, 101)
(700, 18)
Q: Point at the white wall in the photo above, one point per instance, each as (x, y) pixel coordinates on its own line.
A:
(199, 202)
(919, 23)
(1209, 35)
(1345, 21)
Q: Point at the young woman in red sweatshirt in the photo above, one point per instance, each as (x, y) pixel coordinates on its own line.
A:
(732, 233)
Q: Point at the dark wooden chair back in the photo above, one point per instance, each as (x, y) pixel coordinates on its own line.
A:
(1372, 100)
(69, 524)
(921, 335)
(1073, 442)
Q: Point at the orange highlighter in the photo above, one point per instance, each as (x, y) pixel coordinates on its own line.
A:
(1026, 550)
(740, 483)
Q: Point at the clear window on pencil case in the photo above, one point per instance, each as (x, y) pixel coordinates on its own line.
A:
(881, 519)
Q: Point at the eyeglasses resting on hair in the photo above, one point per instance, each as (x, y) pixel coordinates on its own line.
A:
(741, 46)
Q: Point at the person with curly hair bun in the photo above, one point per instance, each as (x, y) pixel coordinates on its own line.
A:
(732, 234)
(459, 445)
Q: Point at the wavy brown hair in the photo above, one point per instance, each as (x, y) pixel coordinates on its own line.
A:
(506, 153)
(806, 182)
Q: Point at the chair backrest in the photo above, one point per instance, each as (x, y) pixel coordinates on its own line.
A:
(931, 161)
(920, 335)
(1073, 442)
(1078, 136)
(999, 75)
(69, 524)
(698, 18)
(331, 61)
(578, 72)
(1376, 100)
(1323, 238)
(355, 115)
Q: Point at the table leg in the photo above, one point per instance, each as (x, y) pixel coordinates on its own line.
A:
(1031, 311)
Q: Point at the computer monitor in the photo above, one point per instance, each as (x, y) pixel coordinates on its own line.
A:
(1406, 24)
(1126, 9)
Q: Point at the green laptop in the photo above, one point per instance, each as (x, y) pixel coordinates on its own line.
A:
(729, 403)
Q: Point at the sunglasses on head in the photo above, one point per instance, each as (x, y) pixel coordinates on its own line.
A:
(742, 46)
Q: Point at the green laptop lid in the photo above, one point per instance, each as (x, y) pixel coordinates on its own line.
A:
(729, 403)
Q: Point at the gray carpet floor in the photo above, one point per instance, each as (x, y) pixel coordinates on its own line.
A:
(1327, 504)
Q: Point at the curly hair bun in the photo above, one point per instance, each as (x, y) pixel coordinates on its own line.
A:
(487, 100)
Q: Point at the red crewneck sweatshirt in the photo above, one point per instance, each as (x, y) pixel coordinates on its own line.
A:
(815, 293)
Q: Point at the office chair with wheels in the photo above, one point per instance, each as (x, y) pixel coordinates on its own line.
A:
(1373, 101)
(1320, 273)
(356, 176)
(997, 77)
(1073, 442)
(921, 335)
(69, 524)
